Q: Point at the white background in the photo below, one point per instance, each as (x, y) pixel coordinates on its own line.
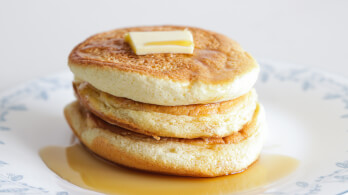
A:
(37, 36)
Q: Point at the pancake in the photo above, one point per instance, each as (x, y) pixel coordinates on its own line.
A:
(176, 156)
(218, 70)
(191, 121)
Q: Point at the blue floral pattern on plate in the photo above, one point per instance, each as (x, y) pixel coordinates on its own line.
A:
(309, 79)
(11, 183)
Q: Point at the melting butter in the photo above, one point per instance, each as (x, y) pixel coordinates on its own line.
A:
(83, 169)
(143, 43)
(178, 43)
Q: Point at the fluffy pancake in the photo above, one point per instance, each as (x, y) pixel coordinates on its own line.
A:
(186, 157)
(191, 121)
(218, 70)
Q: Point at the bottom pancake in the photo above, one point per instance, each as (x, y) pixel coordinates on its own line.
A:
(175, 156)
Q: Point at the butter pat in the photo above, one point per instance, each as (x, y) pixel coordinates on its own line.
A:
(144, 43)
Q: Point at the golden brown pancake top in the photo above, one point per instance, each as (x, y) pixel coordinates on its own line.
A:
(216, 58)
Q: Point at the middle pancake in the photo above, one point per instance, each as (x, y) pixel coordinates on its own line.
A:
(189, 121)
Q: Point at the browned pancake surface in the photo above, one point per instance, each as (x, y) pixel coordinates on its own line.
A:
(216, 58)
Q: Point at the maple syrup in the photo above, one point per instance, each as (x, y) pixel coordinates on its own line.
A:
(80, 167)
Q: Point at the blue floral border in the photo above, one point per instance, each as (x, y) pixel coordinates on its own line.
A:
(38, 89)
(309, 79)
(11, 183)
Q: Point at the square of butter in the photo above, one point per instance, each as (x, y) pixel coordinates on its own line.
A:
(151, 42)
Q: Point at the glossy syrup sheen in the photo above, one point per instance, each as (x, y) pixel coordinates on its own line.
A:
(83, 169)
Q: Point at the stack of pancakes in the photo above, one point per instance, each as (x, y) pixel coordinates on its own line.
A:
(181, 114)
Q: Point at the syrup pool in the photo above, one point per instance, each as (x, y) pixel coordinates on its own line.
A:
(80, 167)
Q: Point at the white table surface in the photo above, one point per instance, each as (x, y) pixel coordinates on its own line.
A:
(36, 36)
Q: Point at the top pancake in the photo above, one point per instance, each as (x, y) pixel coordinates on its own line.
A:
(218, 70)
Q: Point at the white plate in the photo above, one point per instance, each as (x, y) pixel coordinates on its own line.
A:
(307, 113)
